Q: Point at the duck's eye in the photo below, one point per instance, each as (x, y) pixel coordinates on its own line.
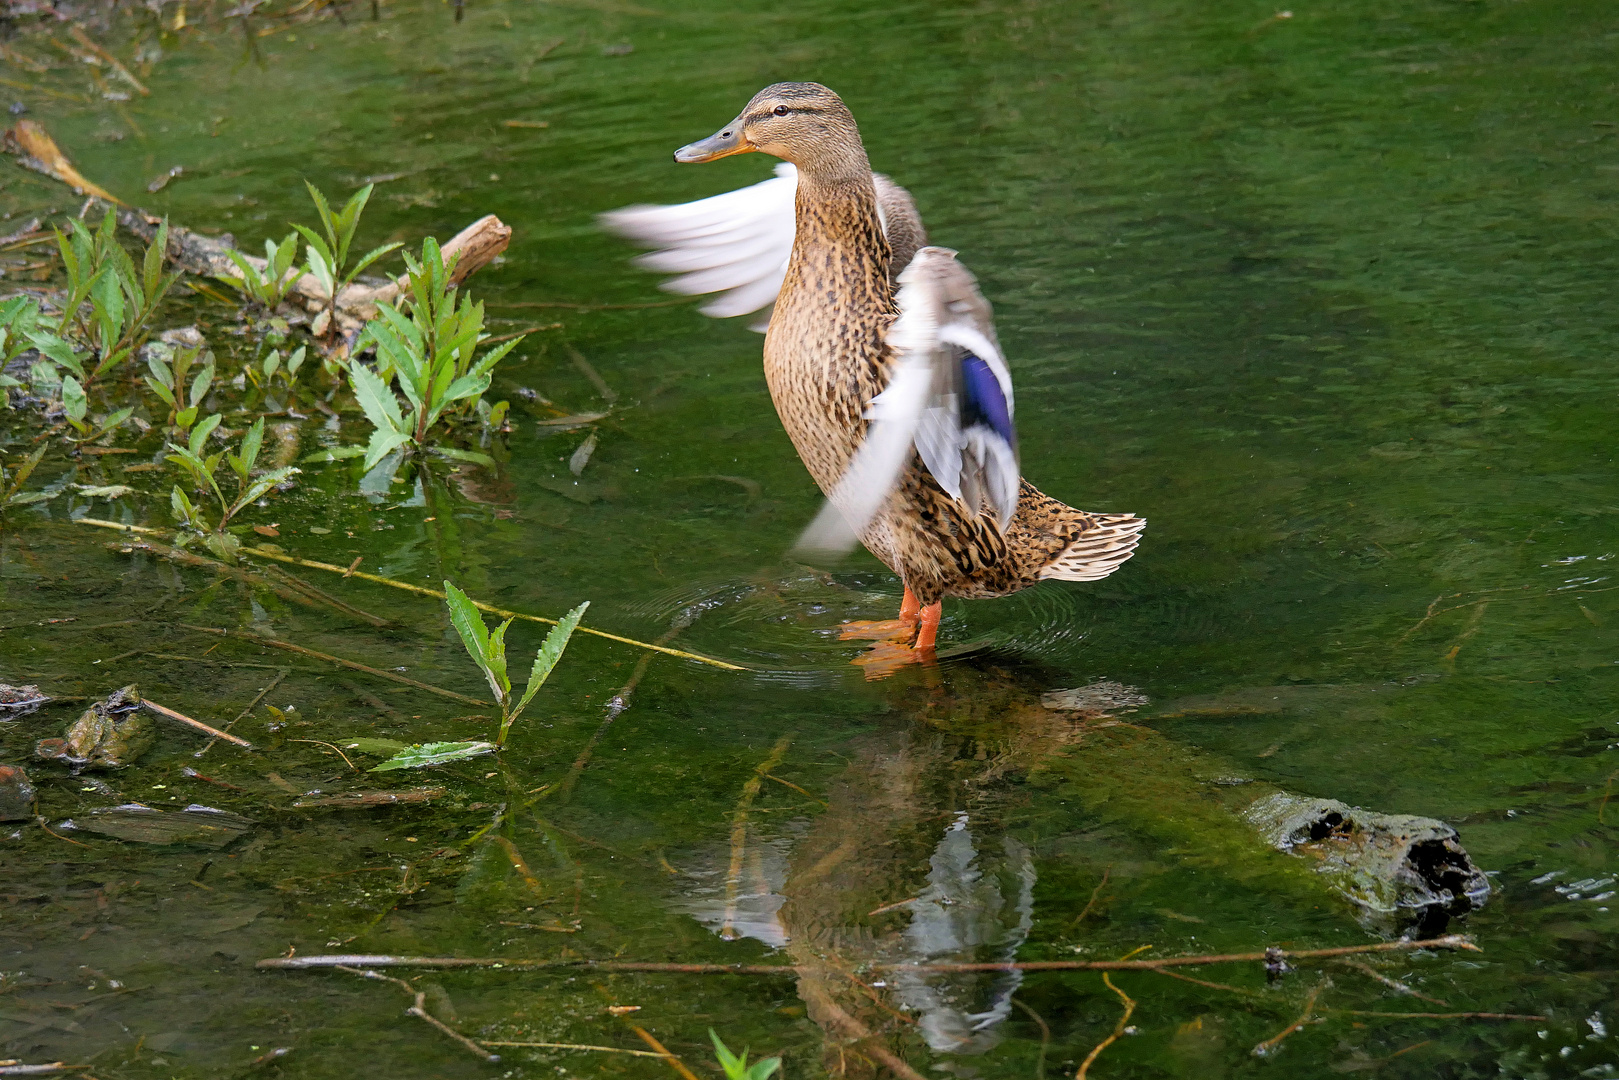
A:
(782, 110)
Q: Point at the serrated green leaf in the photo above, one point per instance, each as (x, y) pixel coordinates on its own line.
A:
(376, 399)
(382, 444)
(468, 623)
(435, 754)
(550, 652)
(250, 446)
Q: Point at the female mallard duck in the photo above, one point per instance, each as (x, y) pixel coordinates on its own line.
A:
(892, 387)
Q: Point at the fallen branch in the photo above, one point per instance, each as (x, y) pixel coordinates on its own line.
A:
(572, 1046)
(36, 150)
(302, 963)
(262, 694)
(165, 711)
(419, 1010)
(1270, 1045)
(242, 635)
(1118, 1029)
(350, 571)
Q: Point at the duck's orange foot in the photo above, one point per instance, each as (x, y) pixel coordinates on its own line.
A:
(878, 630)
(885, 658)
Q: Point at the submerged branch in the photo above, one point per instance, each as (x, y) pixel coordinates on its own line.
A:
(305, 963)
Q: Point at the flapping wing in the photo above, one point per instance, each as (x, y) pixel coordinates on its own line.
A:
(950, 397)
(737, 244)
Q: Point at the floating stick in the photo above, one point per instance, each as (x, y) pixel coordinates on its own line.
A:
(163, 710)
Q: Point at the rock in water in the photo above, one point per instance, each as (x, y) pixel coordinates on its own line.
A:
(110, 734)
(1397, 868)
(16, 701)
(16, 794)
(202, 825)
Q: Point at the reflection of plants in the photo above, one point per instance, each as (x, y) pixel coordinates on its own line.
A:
(488, 651)
(202, 470)
(328, 256)
(737, 1068)
(181, 391)
(269, 286)
(433, 353)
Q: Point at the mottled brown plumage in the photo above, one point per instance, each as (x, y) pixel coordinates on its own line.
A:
(826, 357)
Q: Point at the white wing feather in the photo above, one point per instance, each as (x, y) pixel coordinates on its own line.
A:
(943, 317)
(736, 243)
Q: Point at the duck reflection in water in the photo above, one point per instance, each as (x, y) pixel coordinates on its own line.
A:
(908, 864)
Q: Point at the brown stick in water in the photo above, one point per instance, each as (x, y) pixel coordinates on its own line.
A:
(300, 963)
(164, 710)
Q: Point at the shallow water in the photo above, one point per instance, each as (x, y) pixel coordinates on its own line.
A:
(1323, 297)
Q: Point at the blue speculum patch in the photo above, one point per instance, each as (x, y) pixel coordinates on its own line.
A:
(982, 400)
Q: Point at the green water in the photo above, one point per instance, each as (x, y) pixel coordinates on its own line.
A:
(1325, 298)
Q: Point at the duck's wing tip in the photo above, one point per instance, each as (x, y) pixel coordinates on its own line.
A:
(1098, 551)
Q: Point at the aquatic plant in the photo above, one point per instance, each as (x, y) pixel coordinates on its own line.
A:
(737, 1067)
(109, 304)
(202, 469)
(433, 355)
(75, 409)
(488, 651)
(327, 257)
(267, 287)
(11, 492)
(173, 382)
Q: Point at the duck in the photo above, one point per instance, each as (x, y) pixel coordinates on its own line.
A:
(883, 364)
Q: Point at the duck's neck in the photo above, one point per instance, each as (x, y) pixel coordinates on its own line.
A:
(840, 255)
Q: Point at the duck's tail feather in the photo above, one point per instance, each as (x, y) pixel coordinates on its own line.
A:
(1099, 550)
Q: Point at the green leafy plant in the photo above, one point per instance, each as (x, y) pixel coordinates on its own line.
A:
(202, 468)
(433, 354)
(328, 255)
(75, 405)
(108, 304)
(737, 1068)
(488, 651)
(18, 317)
(434, 753)
(267, 287)
(11, 492)
(175, 384)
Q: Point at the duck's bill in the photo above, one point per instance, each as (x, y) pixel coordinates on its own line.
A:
(721, 144)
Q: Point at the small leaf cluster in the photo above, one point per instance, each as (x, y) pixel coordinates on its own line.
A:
(432, 353)
(737, 1068)
(267, 287)
(202, 468)
(488, 651)
(176, 386)
(328, 254)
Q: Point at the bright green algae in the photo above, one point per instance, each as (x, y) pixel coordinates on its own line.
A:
(1324, 298)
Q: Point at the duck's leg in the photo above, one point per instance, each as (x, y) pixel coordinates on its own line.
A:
(900, 629)
(929, 631)
(886, 657)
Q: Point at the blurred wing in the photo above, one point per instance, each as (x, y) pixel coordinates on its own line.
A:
(950, 398)
(737, 244)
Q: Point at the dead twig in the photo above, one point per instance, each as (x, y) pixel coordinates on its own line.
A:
(1448, 941)
(350, 571)
(739, 834)
(262, 694)
(1045, 1038)
(520, 864)
(1091, 903)
(418, 1010)
(164, 710)
(1270, 1045)
(573, 1046)
(329, 746)
(1118, 1029)
(272, 643)
(1392, 984)
(1440, 1016)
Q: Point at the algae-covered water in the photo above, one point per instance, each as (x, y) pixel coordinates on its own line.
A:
(1325, 295)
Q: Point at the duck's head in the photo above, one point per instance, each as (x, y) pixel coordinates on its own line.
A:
(801, 122)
